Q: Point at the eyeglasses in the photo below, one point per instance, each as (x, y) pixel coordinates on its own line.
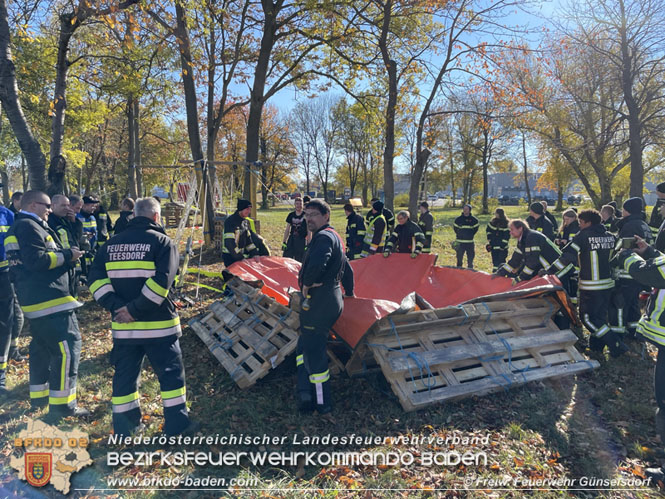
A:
(48, 205)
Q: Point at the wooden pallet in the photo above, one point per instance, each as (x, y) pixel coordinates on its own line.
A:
(432, 356)
(249, 333)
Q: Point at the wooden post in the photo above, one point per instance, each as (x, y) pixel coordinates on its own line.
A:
(253, 177)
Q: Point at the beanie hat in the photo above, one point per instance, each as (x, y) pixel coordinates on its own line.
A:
(243, 204)
(468, 206)
(537, 208)
(613, 204)
(90, 200)
(377, 205)
(661, 188)
(633, 206)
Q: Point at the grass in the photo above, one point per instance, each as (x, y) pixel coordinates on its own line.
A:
(598, 424)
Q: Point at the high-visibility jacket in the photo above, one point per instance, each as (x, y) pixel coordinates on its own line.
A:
(388, 216)
(650, 272)
(568, 232)
(631, 226)
(64, 229)
(498, 234)
(89, 226)
(406, 238)
(237, 237)
(590, 250)
(534, 251)
(39, 267)
(6, 221)
(426, 223)
(136, 268)
(355, 234)
(374, 235)
(465, 228)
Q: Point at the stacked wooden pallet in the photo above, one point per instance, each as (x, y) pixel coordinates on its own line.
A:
(248, 332)
(431, 356)
(172, 213)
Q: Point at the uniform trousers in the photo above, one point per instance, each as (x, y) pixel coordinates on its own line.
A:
(6, 323)
(469, 249)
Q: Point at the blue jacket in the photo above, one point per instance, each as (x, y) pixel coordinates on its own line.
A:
(6, 221)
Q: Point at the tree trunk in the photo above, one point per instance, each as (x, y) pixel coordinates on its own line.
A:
(526, 170)
(559, 198)
(131, 147)
(452, 178)
(391, 70)
(212, 122)
(5, 188)
(137, 149)
(11, 104)
(264, 174)
(418, 169)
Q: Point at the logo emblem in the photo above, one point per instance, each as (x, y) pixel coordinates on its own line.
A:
(37, 468)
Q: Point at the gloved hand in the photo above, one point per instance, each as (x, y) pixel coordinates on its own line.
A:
(488, 247)
(542, 272)
(414, 255)
(284, 246)
(386, 254)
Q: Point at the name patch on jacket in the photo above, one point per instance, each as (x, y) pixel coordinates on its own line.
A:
(601, 243)
(119, 252)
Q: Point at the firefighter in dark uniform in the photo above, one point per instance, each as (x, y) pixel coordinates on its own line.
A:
(39, 268)
(538, 221)
(498, 235)
(237, 239)
(608, 219)
(631, 224)
(319, 279)
(126, 214)
(568, 230)
(592, 247)
(659, 243)
(388, 216)
(466, 226)
(549, 215)
(657, 218)
(59, 222)
(17, 325)
(406, 238)
(375, 231)
(295, 234)
(534, 252)
(6, 299)
(355, 233)
(131, 277)
(426, 223)
(647, 266)
(15, 202)
(104, 224)
(89, 223)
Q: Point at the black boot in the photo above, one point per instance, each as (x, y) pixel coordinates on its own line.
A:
(56, 414)
(596, 344)
(615, 343)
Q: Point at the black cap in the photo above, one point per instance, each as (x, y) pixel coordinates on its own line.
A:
(661, 188)
(243, 204)
(537, 208)
(377, 205)
(613, 204)
(633, 205)
(90, 200)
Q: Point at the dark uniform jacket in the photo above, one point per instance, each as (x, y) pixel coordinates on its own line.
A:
(63, 227)
(123, 220)
(136, 268)
(465, 228)
(656, 220)
(568, 233)
(590, 249)
(550, 216)
(237, 238)
(39, 267)
(375, 235)
(426, 223)
(649, 272)
(388, 216)
(542, 225)
(104, 224)
(355, 233)
(498, 234)
(406, 238)
(631, 226)
(326, 264)
(534, 251)
(611, 224)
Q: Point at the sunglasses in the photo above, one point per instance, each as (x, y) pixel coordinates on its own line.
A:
(48, 205)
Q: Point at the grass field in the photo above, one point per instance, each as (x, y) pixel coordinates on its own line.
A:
(598, 425)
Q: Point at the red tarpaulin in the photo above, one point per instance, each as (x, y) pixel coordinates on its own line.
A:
(382, 283)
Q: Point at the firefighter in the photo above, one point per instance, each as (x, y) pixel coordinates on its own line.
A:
(104, 224)
(466, 226)
(39, 268)
(659, 243)
(75, 205)
(126, 214)
(426, 223)
(355, 233)
(375, 230)
(406, 238)
(592, 247)
(15, 202)
(388, 216)
(87, 218)
(58, 221)
(608, 218)
(237, 234)
(533, 253)
(17, 324)
(569, 228)
(6, 299)
(647, 266)
(498, 235)
(631, 224)
(131, 277)
(549, 215)
(538, 221)
(319, 279)
(657, 218)
(295, 234)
